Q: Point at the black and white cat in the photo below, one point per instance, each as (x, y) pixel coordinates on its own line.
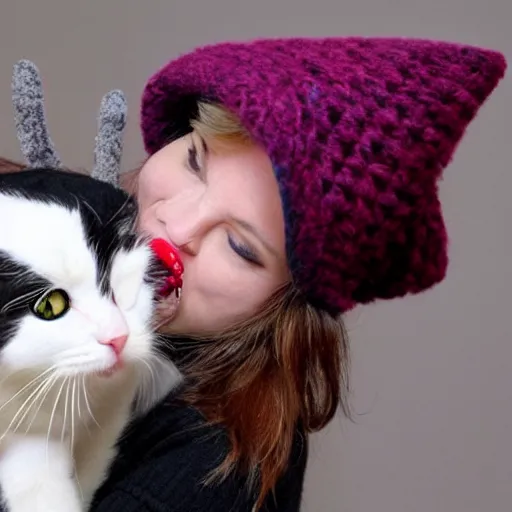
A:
(77, 294)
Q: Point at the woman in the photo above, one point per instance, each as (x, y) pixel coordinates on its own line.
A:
(297, 178)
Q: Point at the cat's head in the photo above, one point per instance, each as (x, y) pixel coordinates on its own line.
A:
(77, 285)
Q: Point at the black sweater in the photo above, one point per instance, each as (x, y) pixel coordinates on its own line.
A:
(165, 456)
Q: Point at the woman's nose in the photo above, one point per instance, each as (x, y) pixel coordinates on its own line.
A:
(185, 222)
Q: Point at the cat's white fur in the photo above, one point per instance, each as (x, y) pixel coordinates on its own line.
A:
(56, 451)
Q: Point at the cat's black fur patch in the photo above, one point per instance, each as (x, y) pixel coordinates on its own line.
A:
(19, 289)
(104, 208)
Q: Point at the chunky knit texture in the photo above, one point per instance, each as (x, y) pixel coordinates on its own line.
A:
(359, 131)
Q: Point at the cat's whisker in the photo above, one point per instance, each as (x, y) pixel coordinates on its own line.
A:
(151, 372)
(167, 341)
(92, 210)
(73, 413)
(120, 210)
(84, 391)
(33, 381)
(12, 273)
(22, 407)
(50, 383)
(57, 398)
(81, 377)
(39, 393)
(148, 366)
(68, 379)
(160, 369)
(158, 353)
(89, 407)
(80, 490)
(158, 356)
(22, 411)
(27, 297)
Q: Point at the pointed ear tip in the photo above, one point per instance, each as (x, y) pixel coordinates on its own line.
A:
(114, 100)
(25, 64)
(117, 92)
(115, 95)
(25, 72)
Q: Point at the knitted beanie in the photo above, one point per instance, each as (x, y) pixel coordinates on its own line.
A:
(358, 131)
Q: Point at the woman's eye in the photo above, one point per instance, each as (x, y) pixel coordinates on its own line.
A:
(52, 305)
(193, 161)
(244, 252)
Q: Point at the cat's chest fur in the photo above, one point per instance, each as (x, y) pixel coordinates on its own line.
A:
(86, 420)
(77, 290)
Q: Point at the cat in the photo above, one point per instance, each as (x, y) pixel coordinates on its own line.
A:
(77, 295)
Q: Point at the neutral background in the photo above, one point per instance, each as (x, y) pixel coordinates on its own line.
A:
(432, 374)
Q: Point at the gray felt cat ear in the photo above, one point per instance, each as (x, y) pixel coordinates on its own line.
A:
(29, 115)
(35, 142)
(109, 141)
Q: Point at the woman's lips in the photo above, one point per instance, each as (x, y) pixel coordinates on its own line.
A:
(169, 256)
(170, 290)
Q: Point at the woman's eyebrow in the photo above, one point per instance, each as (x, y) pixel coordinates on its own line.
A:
(246, 226)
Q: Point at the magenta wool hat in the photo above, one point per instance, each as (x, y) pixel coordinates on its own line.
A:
(358, 131)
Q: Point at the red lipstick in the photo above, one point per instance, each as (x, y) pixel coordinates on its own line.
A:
(170, 257)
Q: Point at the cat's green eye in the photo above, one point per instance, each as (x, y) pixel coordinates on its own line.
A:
(52, 305)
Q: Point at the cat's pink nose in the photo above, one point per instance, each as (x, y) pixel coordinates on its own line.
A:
(117, 343)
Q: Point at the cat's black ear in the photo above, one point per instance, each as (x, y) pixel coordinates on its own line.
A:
(29, 115)
(109, 141)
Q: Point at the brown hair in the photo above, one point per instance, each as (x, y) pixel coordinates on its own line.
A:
(286, 366)
(7, 165)
(283, 368)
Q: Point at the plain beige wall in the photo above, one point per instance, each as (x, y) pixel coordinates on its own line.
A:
(432, 374)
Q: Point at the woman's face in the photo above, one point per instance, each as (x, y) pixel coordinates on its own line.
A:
(222, 210)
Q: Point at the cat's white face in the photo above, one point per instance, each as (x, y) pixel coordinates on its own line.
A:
(67, 301)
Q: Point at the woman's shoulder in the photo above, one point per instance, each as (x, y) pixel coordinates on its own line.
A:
(165, 457)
